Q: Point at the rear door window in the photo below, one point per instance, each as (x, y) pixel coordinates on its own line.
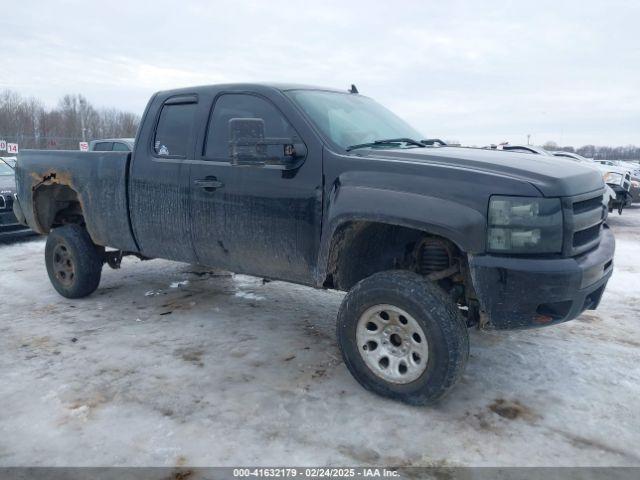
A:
(175, 129)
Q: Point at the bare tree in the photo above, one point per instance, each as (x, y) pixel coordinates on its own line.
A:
(27, 122)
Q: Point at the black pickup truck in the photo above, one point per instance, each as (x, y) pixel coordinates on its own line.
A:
(329, 189)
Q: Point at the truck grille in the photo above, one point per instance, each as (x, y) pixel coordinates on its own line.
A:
(584, 217)
(585, 236)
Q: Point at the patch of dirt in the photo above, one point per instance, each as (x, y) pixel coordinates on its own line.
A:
(583, 442)
(626, 341)
(181, 475)
(589, 318)
(363, 456)
(313, 331)
(191, 355)
(181, 303)
(91, 402)
(511, 409)
(480, 421)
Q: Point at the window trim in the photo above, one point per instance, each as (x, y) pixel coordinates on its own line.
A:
(203, 150)
(181, 99)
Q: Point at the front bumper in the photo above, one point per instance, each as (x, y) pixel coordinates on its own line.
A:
(10, 227)
(529, 292)
(623, 197)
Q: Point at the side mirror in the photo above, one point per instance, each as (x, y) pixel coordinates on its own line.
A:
(248, 146)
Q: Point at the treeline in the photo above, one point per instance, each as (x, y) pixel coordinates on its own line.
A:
(629, 152)
(29, 123)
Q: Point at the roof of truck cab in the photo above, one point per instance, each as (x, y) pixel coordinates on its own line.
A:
(283, 87)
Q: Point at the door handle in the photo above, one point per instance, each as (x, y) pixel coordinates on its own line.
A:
(209, 184)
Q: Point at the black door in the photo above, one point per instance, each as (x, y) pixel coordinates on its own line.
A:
(159, 180)
(260, 220)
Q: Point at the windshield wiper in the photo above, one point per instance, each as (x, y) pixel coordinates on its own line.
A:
(388, 141)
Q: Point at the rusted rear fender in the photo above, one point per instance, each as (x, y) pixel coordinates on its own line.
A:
(99, 181)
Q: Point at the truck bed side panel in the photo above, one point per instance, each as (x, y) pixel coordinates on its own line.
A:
(99, 179)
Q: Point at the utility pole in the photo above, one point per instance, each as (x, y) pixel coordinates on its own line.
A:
(82, 110)
(528, 139)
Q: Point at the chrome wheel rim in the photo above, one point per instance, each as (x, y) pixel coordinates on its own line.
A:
(392, 344)
(63, 267)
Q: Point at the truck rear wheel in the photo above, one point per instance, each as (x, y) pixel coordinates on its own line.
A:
(74, 262)
(402, 337)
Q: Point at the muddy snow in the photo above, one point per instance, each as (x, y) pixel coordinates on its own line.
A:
(167, 364)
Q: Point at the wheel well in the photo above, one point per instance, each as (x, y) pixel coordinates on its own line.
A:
(361, 248)
(56, 205)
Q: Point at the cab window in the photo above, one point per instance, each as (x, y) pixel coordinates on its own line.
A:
(234, 105)
(175, 128)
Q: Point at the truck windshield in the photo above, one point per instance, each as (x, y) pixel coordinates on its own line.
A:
(5, 169)
(353, 120)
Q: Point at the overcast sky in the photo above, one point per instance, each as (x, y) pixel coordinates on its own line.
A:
(479, 72)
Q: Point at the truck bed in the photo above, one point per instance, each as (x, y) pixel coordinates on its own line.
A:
(98, 178)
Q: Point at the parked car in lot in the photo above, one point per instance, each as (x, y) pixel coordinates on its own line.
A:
(329, 189)
(9, 225)
(634, 168)
(626, 189)
(523, 149)
(11, 161)
(112, 145)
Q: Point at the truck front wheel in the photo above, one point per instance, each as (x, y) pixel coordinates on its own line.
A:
(402, 337)
(74, 262)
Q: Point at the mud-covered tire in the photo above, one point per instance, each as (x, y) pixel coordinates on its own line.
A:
(74, 262)
(438, 317)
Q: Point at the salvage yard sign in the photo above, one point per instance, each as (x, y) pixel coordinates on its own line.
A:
(3, 145)
(12, 148)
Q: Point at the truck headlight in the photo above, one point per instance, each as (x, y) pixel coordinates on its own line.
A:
(612, 177)
(524, 225)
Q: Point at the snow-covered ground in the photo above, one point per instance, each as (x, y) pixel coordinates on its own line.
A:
(167, 365)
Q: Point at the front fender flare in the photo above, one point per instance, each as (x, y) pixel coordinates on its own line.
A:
(456, 222)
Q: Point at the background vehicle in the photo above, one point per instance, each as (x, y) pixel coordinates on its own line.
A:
(627, 190)
(523, 149)
(329, 189)
(9, 225)
(112, 145)
(11, 161)
(634, 168)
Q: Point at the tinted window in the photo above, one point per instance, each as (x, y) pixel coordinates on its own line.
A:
(175, 128)
(243, 106)
(120, 147)
(103, 147)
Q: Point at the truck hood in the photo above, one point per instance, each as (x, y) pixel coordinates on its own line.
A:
(553, 176)
(7, 183)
